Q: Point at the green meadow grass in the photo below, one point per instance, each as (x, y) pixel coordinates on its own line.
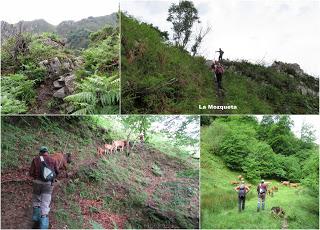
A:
(219, 208)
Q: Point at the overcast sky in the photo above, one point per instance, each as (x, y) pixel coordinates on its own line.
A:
(298, 120)
(255, 30)
(55, 11)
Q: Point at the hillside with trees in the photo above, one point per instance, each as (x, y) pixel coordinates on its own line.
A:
(42, 73)
(168, 76)
(269, 150)
(151, 185)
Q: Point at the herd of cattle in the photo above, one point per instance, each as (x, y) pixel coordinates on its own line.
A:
(119, 145)
(269, 191)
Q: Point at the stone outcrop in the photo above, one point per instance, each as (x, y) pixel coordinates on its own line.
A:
(289, 68)
(57, 66)
(64, 85)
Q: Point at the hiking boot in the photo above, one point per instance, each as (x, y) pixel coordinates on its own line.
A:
(44, 222)
(36, 214)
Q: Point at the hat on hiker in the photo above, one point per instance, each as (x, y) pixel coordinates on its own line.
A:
(242, 182)
(43, 149)
(262, 181)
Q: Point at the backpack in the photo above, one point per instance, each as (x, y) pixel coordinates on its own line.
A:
(47, 174)
(219, 69)
(242, 192)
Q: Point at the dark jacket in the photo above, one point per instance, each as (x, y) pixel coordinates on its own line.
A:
(36, 166)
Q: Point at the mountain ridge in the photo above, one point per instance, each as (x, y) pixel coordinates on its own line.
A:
(67, 29)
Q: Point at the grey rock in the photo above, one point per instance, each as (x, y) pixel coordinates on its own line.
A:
(70, 83)
(55, 65)
(57, 84)
(60, 93)
(61, 79)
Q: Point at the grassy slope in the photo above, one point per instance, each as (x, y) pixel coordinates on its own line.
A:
(148, 189)
(219, 201)
(159, 78)
(148, 67)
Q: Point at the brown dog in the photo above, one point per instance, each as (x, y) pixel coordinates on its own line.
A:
(277, 211)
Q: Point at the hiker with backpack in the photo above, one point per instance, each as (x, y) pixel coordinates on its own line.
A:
(43, 170)
(218, 70)
(242, 190)
(220, 51)
(262, 191)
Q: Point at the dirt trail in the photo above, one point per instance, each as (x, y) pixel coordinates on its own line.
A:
(16, 208)
(44, 97)
(16, 196)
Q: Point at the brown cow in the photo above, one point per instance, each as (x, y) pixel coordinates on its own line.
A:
(240, 177)
(275, 188)
(100, 151)
(118, 144)
(62, 159)
(234, 182)
(294, 185)
(286, 183)
(108, 148)
(249, 185)
(270, 192)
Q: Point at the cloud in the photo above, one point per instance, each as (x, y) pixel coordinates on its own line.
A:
(56, 11)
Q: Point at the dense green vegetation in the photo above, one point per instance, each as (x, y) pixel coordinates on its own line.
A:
(161, 77)
(32, 63)
(158, 77)
(232, 146)
(143, 188)
(98, 89)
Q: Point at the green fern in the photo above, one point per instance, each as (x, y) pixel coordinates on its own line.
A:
(16, 93)
(95, 93)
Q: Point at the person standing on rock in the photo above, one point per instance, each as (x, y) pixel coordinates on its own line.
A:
(43, 168)
(262, 191)
(220, 51)
(242, 190)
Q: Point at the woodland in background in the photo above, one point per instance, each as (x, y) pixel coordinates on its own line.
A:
(269, 150)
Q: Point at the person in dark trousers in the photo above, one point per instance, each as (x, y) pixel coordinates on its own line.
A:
(218, 70)
(242, 190)
(262, 191)
(220, 51)
(42, 190)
